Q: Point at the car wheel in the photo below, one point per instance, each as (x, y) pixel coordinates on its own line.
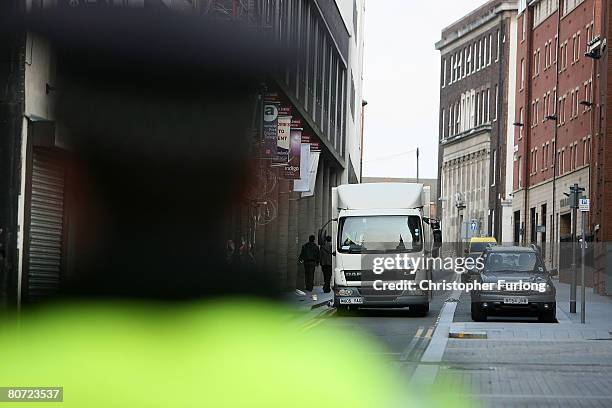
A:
(420, 310)
(549, 316)
(478, 315)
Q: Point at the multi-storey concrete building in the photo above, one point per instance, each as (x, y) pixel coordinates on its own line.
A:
(476, 90)
(320, 88)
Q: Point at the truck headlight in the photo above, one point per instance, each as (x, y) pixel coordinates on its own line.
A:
(344, 292)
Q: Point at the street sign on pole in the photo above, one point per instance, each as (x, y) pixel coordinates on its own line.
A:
(584, 205)
(575, 200)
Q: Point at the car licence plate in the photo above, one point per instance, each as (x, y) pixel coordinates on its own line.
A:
(516, 300)
(351, 301)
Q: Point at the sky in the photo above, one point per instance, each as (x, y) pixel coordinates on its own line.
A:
(401, 83)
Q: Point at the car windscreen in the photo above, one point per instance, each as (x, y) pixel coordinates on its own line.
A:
(380, 234)
(513, 262)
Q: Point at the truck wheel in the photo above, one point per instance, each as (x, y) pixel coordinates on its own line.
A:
(342, 310)
(420, 310)
(478, 315)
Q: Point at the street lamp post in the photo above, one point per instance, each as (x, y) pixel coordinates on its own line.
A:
(364, 103)
(460, 207)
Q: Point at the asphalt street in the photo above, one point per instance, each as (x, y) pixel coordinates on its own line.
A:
(402, 335)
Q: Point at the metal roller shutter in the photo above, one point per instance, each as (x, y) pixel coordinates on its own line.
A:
(46, 225)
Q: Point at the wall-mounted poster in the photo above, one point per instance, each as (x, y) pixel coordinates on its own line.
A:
(303, 183)
(283, 141)
(270, 130)
(292, 169)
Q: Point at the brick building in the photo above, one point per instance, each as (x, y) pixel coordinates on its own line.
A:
(477, 54)
(556, 134)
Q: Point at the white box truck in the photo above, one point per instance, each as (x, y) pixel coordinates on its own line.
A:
(383, 220)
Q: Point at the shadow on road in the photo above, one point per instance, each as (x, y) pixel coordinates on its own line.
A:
(383, 312)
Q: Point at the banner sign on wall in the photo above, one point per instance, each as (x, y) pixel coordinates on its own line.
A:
(283, 140)
(292, 169)
(302, 184)
(313, 168)
(270, 130)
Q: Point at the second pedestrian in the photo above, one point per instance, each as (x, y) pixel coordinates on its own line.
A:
(310, 257)
(326, 263)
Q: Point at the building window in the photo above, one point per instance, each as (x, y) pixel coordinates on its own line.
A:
(484, 51)
(443, 121)
(443, 72)
(536, 62)
(450, 121)
(588, 85)
(494, 168)
(488, 105)
(521, 122)
(564, 56)
(468, 60)
(457, 117)
(562, 161)
(496, 103)
(490, 47)
(520, 172)
(575, 48)
(569, 5)
(522, 73)
(498, 46)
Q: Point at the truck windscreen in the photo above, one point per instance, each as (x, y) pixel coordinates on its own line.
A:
(380, 234)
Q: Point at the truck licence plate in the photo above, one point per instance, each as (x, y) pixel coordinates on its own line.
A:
(516, 300)
(351, 301)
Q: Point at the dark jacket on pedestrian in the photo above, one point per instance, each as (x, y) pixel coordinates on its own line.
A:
(326, 254)
(310, 253)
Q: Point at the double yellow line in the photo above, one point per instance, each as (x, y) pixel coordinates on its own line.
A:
(320, 318)
(427, 335)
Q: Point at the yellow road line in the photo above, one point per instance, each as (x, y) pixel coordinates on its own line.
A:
(318, 320)
(429, 333)
(419, 332)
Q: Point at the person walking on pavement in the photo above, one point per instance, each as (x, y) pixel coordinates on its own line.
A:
(326, 263)
(310, 257)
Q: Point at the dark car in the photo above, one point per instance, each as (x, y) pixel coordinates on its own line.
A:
(516, 281)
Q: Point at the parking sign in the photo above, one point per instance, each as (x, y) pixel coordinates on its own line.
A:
(584, 205)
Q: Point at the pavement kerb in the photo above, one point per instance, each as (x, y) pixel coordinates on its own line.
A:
(481, 335)
(425, 374)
